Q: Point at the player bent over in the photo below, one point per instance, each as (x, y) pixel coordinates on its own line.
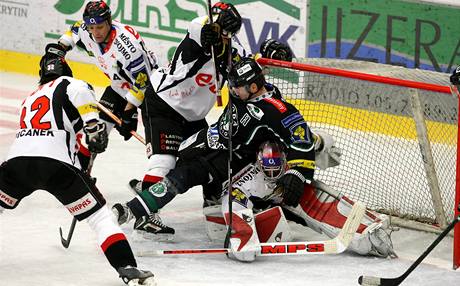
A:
(259, 209)
(259, 113)
(44, 156)
(182, 94)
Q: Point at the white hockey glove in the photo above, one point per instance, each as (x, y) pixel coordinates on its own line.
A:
(326, 153)
(97, 138)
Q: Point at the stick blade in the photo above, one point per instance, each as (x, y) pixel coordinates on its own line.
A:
(351, 224)
(369, 281)
(64, 242)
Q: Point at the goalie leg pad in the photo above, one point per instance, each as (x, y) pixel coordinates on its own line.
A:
(272, 226)
(216, 229)
(244, 242)
(326, 211)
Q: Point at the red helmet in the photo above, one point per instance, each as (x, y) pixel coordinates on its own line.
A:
(271, 160)
(96, 12)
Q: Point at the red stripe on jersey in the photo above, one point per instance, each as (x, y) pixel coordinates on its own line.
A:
(277, 103)
(152, 179)
(114, 238)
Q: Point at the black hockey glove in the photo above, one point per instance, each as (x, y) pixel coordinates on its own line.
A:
(272, 49)
(210, 36)
(455, 77)
(97, 138)
(128, 123)
(291, 185)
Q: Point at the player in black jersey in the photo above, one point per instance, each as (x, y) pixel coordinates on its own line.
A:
(259, 113)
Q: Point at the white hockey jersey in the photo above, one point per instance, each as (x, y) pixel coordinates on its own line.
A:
(50, 118)
(188, 83)
(125, 60)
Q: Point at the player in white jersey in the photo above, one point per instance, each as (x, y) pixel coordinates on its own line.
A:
(120, 53)
(182, 94)
(258, 197)
(43, 156)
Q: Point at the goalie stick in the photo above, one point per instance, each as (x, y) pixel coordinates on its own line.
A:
(333, 246)
(377, 281)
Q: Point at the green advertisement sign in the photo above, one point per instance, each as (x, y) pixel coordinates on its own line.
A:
(404, 33)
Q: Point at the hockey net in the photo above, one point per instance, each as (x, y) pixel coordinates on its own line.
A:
(397, 128)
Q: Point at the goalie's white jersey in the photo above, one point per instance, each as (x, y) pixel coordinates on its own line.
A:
(50, 118)
(188, 83)
(125, 60)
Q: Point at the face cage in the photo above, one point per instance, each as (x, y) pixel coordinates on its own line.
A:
(271, 172)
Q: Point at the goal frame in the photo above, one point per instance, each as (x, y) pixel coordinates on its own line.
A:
(414, 86)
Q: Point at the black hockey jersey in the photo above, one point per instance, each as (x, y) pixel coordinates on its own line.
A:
(266, 117)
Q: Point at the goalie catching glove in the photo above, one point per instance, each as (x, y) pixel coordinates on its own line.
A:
(128, 123)
(290, 186)
(272, 49)
(97, 138)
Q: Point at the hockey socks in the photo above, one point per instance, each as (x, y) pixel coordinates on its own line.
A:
(111, 239)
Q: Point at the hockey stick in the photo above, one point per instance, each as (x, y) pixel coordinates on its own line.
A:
(118, 121)
(216, 79)
(376, 281)
(66, 242)
(333, 246)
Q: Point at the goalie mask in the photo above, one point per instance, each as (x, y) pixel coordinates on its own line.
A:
(271, 160)
(228, 18)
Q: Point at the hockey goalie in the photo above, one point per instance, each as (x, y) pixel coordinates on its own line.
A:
(260, 215)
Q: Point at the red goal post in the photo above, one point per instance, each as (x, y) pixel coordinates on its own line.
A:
(398, 129)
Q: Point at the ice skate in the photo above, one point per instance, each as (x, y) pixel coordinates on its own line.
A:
(135, 186)
(122, 213)
(136, 277)
(151, 227)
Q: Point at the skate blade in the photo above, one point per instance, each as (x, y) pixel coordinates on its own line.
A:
(139, 235)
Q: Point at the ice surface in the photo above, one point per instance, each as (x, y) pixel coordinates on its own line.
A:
(31, 252)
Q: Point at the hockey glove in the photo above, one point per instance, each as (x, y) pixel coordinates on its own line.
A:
(291, 184)
(272, 49)
(455, 77)
(128, 123)
(97, 138)
(210, 36)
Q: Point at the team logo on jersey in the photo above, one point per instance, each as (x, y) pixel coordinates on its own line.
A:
(255, 112)
(224, 123)
(239, 197)
(299, 133)
(141, 79)
(158, 190)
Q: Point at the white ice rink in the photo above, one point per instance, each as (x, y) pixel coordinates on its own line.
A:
(31, 252)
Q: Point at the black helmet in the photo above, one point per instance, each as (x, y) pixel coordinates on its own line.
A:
(228, 17)
(245, 72)
(96, 12)
(53, 65)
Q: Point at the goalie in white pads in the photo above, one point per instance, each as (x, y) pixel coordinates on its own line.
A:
(257, 187)
(43, 156)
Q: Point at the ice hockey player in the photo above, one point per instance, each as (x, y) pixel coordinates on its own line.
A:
(120, 53)
(43, 156)
(257, 197)
(182, 95)
(259, 113)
